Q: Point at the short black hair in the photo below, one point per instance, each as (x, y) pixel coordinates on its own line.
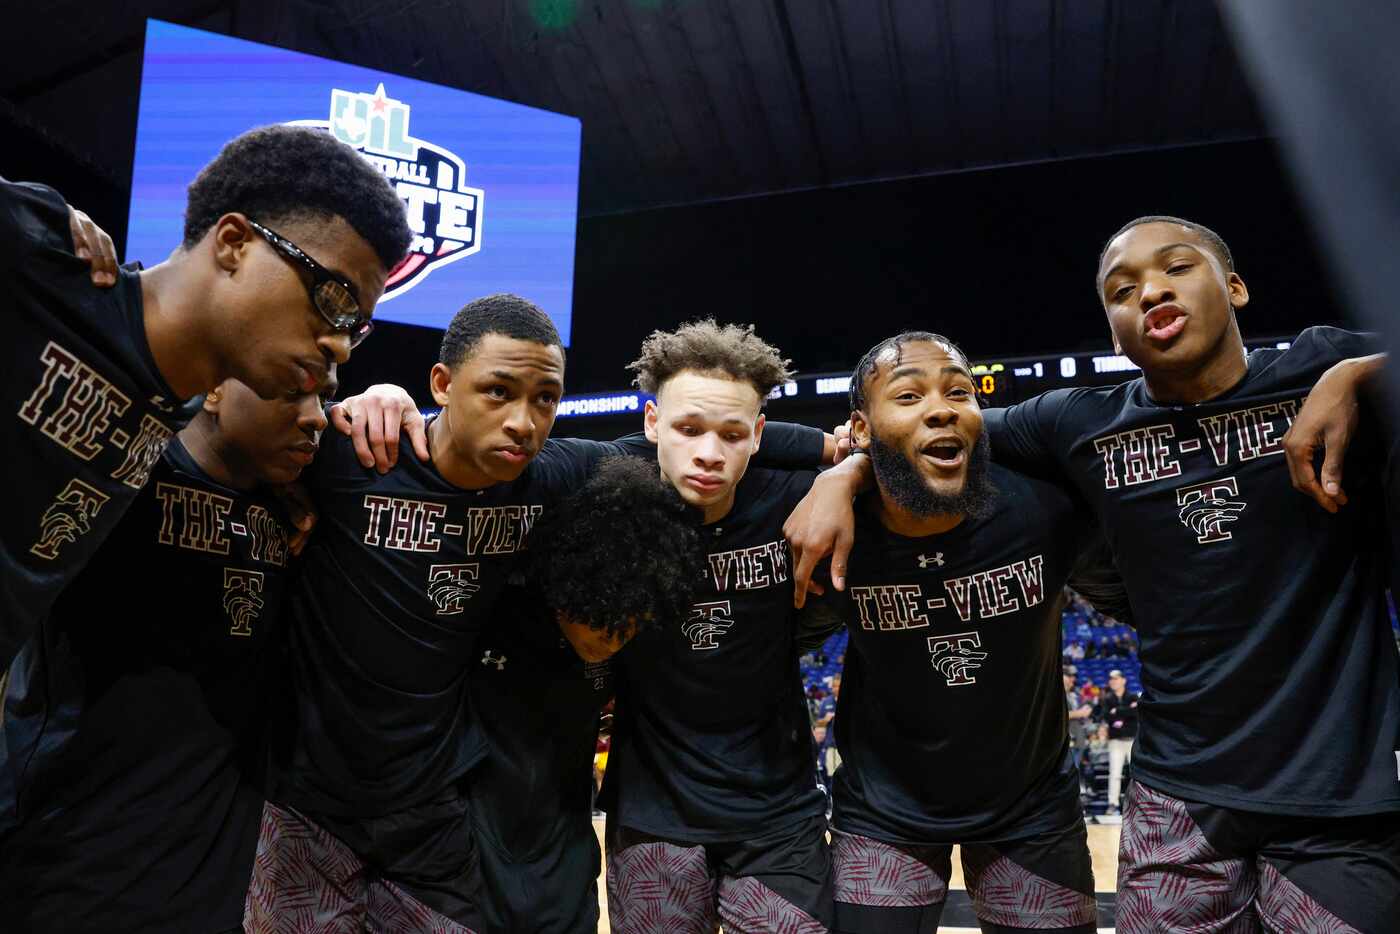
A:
(865, 369)
(1214, 242)
(623, 546)
(505, 314)
(278, 173)
(707, 347)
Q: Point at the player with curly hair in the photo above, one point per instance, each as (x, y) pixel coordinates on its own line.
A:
(713, 807)
(613, 560)
(583, 557)
(373, 765)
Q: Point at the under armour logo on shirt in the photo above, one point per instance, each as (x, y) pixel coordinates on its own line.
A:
(489, 659)
(935, 559)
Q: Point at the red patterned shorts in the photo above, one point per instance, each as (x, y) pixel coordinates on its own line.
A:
(1187, 866)
(884, 887)
(307, 881)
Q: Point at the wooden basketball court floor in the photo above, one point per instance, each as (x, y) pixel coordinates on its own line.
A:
(1103, 849)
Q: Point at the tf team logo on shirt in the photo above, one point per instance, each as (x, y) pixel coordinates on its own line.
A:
(68, 518)
(243, 600)
(953, 656)
(450, 586)
(707, 621)
(1205, 509)
(443, 212)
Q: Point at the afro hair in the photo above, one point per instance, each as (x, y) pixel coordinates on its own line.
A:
(706, 347)
(278, 173)
(622, 549)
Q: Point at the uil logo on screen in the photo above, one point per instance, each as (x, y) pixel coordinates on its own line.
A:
(444, 214)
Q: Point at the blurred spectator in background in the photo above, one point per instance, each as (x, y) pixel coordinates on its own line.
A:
(828, 759)
(1079, 727)
(1117, 711)
(826, 710)
(820, 739)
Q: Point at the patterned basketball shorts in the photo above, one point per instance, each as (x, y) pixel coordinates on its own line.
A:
(1186, 866)
(306, 881)
(1041, 883)
(776, 883)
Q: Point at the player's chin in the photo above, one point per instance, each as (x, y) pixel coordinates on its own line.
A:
(699, 500)
(946, 484)
(502, 471)
(944, 479)
(595, 654)
(280, 474)
(1185, 350)
(592, 647)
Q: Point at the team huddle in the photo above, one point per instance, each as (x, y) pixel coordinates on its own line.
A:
(268, 668)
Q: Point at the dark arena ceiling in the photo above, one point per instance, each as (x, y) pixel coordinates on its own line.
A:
(785, 162)
(687, 101)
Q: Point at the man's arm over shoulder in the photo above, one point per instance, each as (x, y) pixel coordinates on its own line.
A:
(788, 446)
(820, 617)
(1330, 415)
(31, 216)
(1025, 436)
(1336, 344)
(1095, 577)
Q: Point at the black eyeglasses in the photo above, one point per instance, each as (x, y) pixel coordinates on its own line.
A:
(334, 298)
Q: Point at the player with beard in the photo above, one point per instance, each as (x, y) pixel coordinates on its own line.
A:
(1262, 795)
(370, 816)
(289, 237)
(614, 559)
(951, 721)
(147, 818)
(713, 808)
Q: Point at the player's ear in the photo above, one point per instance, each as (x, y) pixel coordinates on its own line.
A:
(1239, 292)
(860, 431)
(231, 238)
(649, 421)
(440, 383)
(758, 432)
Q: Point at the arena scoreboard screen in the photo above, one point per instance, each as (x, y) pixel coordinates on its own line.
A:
(491, 187)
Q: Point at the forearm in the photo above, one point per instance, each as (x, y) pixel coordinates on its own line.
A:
(855, 472)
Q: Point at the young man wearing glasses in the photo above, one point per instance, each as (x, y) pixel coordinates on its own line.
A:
(96, 376)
